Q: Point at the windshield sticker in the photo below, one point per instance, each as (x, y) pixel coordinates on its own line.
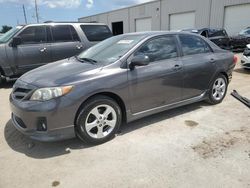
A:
(125, 41)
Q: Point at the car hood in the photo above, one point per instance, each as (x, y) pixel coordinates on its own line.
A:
(64, 72)
(239, 37)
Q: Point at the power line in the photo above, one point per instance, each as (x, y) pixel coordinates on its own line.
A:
(37, 17)
(24, 14)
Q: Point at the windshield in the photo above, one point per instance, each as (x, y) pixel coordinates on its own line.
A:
(245, 32)
(111, 49)
(8, 35)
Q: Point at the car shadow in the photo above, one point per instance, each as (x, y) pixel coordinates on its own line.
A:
(40, 150)
(7, 85)
(242, 71)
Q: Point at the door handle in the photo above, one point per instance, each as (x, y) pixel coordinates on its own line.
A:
(43, 49)
(212, 60)
(177, 67)
(79, 47)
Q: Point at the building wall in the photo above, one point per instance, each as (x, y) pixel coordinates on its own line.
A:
(200, 7)
(208, 13)
(149, 10)
(218, 10)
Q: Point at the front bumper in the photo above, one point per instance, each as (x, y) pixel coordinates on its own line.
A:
(48, 136)
(245, 62)
(51, 120)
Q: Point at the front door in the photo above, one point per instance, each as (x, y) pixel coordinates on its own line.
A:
(33, 50)
(160, 82)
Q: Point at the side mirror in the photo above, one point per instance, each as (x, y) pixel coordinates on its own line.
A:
(140, 60)
(16, 41)
(248, 46)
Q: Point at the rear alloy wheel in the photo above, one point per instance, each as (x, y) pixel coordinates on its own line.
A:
(218, 90)
(99, 120)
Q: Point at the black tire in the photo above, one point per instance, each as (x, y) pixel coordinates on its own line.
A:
(248, 40)
(211, 99)
(1, 79)
(84, 113)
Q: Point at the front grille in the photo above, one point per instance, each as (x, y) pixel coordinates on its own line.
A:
(22, 90)
(20, 93)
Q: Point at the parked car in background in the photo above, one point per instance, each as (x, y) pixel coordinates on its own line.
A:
(240, 41)
(26, 47)
(123, 78)
(245, 60)
(218, 36)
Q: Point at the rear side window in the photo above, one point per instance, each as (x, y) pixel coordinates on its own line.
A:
(74, 34)
(218, 33)
(96, 32)
(193, 45)
(33, 35)
(64, 33)
(160, 48)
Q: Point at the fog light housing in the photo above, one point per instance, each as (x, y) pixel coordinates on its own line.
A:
(42, 124)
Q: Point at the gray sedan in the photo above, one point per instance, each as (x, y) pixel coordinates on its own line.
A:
(121, 79)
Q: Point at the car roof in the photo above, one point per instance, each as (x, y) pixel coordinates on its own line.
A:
(202, 29)
(157, 33)
(62, 23)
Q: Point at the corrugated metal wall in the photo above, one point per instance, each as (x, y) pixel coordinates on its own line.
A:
(208, 13)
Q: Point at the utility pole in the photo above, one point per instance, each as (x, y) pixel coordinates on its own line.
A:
(24, 13)
(37, 17)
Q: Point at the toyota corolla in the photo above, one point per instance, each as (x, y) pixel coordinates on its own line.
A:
(121, 79)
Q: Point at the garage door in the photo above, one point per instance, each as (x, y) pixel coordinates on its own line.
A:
(182, 21)
(144, 24)
(236, 18)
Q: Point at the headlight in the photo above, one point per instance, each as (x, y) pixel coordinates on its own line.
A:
(45, 94)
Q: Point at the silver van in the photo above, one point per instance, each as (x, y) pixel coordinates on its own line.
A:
(26, 47)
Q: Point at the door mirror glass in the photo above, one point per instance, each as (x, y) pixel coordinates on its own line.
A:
(16, 41)
(139, 60)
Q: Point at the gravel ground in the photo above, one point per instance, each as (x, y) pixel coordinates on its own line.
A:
(193, 146)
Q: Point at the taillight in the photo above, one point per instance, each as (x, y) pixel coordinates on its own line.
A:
(235, 59)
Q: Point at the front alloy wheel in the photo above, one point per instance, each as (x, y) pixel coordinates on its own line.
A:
(98, 120)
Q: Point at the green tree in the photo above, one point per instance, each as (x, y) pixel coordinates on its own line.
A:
(5, 28)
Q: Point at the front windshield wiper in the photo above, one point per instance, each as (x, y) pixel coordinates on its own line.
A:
(89, 60)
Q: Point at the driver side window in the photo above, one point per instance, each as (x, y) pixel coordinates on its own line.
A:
(160, 48)
(33, 35)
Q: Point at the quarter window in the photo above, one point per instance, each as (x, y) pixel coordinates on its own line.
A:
(96, 32)
(159, 49)
(64, 33)
(193, 45)
(33, 35)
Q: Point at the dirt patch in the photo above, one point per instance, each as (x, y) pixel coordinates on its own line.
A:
(216, 146)
(191, 123)
(55, 183)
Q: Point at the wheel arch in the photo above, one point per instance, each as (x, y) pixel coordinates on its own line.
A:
(224, 74)
(111, 95)
(1, 71)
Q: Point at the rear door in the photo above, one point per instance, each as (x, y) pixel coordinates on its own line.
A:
(65, 42)
(160, 82)
(33, 50)
(198, 65)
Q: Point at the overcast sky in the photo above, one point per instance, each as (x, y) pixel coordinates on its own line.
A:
(11, 12)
